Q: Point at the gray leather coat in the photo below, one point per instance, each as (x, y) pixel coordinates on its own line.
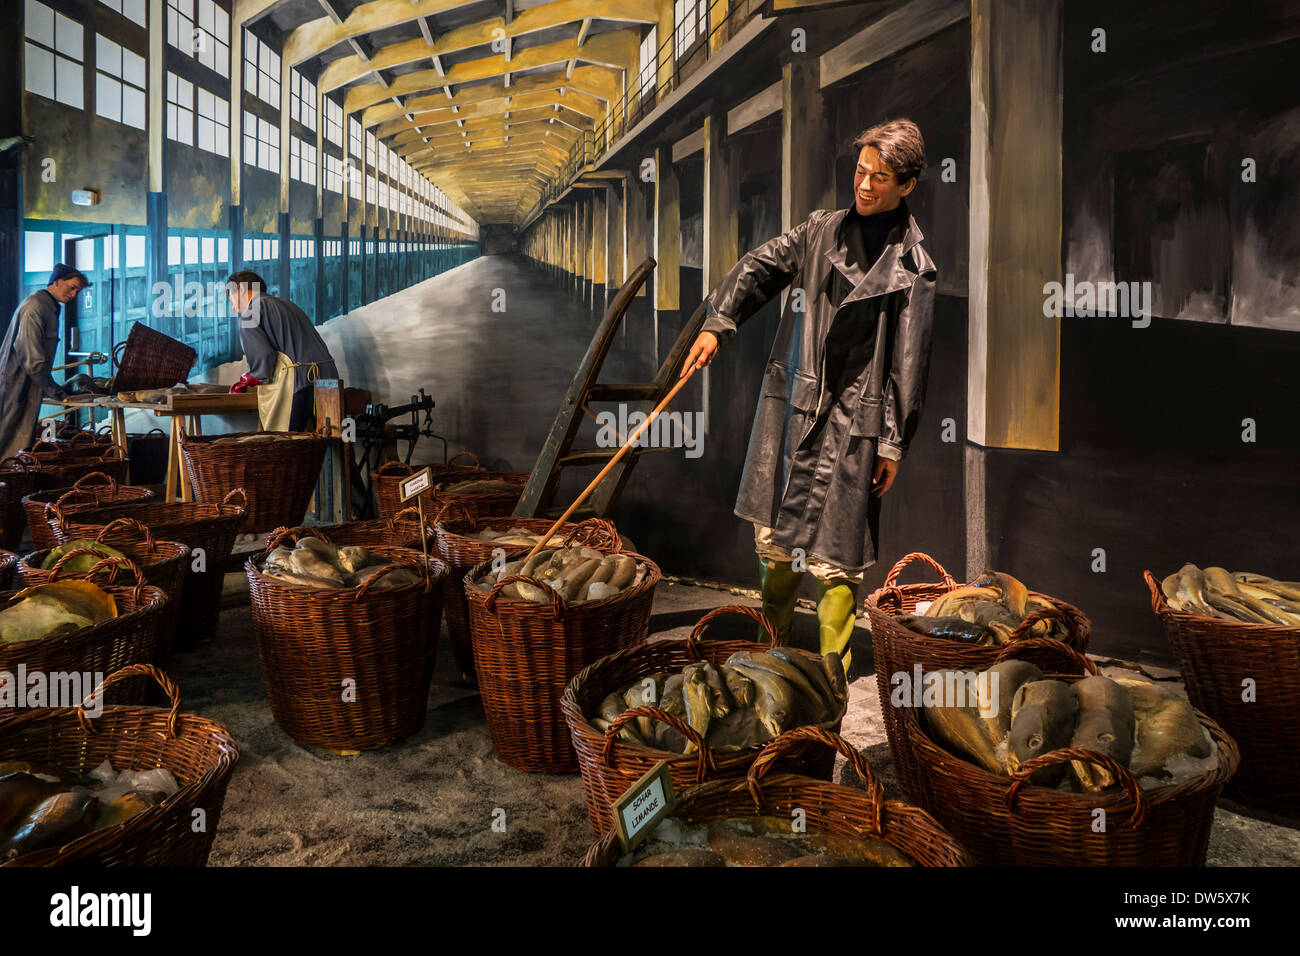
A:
(845, 380)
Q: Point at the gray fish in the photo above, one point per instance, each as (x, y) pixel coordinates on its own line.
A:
(611, 708)
(1005, 678)
(740, 686)
(773, 699)
(950, 627)
(699, 703)
(1042, 720)
(962, 729)
(1166, 726)
(1105, 725)
(645, 693)
(719, 696)
(813, 672)
(671, 701)
(812, 702)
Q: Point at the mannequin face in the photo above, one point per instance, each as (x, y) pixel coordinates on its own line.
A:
(876, 188)
(65, 290)
(240, 296)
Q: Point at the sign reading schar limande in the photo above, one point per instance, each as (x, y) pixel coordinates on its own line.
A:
(421, 481)
(645, 803)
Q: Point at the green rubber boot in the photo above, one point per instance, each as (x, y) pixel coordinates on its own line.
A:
(836, 603)
(780, 584)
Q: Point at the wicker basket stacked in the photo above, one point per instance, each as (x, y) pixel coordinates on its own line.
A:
(64, 464)
(163, 564)
(211, 528)
(610, 765)
(460, 551)
(347, 670)
(388, 477)
(899, 650)
(129, 638)
(198, 752)
(1219, 660)
(525, 654)
(827, 808)
(278, 475)
(1007, 821)
(90, 491)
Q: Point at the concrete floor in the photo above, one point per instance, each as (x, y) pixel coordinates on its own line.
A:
(430, 800)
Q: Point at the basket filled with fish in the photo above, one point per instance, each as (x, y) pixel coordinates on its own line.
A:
(1032, 768)
(278, 472)
(707, 708)
(90, 491)
(535, 623)
(463, 542)
(364, 619)
(113, 785)
(1231, 631)
(387, 480)
(209, 528)
(162, 563)
(945, 625)
(775, 817)
(78, 625)
(19, 477)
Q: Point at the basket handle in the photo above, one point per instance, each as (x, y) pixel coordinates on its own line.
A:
(117, 351)
(477, 463)
(75, 495)
(692, 641)
(595, 533)
(792, 738)
(243, 497)
(81, 437)
(111, 453)
(1049, 643)
(24, 460)
(145, 534)
(389, 468)
(53, 446)
(112, 565)
(704, 760)
(1052, 613)
(437, 518)
(54, 515)
(1158, 602)
(557, 602)
(1067, 754)
(365, 588)
(132, 670)
(104, 479)
(277, 537)
(891, 579)
(413, 514)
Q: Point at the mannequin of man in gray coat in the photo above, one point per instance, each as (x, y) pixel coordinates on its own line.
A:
(27, 355)
(844, 384)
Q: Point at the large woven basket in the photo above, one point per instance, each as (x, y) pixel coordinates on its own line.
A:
(64, 470)
(210, 527)
(347, 670)
(129, 638)
(1217, 659)
(198, 752)
(460, 552)
(401, 530)
(609, 765)
(279, 477)
(1005, 821)
(827, 807)
(150, 359)
(386, 480)
(90, 491)
(899, 650)
(163, 564)
(525, 655)
(19, 477)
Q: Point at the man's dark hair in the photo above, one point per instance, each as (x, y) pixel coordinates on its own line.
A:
(900, 146)
(247, 278)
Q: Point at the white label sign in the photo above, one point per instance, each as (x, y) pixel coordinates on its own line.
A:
(644, 804)
(418, 482)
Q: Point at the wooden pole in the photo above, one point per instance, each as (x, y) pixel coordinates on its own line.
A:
(610, 464)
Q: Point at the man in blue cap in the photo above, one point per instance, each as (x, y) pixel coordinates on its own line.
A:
(27, 355)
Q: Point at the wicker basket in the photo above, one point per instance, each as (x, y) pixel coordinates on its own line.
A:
(8, 561)
(387, 479)
(525, 655)
(402, 530)
(1216, 657)
(609, 765)
(827, 807)
(91, 491)
(316, 643)
(279, 477)
(19, 477)
(150, 359)
(460, 552)
(899, 650)
(1005, 821)
(212, 527)
(494, 505)
(163, 564)
(129, 638)
(198, 752)
(63, 471)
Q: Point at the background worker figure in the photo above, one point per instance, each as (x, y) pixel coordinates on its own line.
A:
(844, 384)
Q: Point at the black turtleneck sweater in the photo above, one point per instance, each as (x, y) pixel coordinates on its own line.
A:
(876, 230)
